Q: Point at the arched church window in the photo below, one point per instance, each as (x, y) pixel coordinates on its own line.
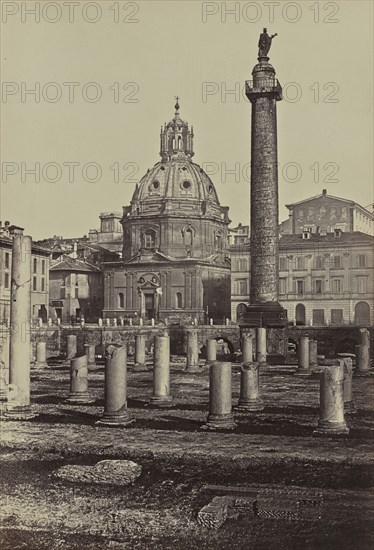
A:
(121, 300)
(178, 300)
(219, 240)
(150, 238)
(188, 237)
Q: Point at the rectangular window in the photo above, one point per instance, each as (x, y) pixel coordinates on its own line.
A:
(337, 262)
(241, 286)
(34, 283)
(336, 316)
(300, 287)
(318, 286)
(361, 285)
(43, 284)
(35, 266)
(337, 286)
(6, 280)
(7, 260)
(76, 291)
(318, 316)
(283, 264)
(319, 262)
(282, 286)
(43, 267)
(63, 292)
(300, 262)
(361, 260)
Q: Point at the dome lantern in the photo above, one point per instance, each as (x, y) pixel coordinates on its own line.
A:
(176, 139)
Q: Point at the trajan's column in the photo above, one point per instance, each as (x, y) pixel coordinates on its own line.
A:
(263, 92)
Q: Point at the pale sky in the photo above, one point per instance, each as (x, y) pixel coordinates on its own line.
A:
(324, 122)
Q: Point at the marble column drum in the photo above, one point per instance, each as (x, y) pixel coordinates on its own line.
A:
(249, 399)
(115, 397)
(161, 372)
(192, 363)
(19, 405)
(331, 420)
(79, 381)
(220, 415)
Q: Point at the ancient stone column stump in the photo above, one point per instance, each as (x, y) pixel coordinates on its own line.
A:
(220, 405)
(331, 421)
(115, 408)
(249, 399)
(79, 393)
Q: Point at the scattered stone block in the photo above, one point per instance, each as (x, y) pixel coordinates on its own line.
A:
(112, 472)
(214, 514)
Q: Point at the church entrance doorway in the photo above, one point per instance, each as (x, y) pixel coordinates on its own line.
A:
(149, 305)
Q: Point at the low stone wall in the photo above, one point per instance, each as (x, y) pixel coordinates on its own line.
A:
(332, 340)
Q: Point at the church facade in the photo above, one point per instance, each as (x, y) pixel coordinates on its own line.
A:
(175, 263)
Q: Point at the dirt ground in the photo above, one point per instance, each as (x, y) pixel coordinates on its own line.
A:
(273, 449)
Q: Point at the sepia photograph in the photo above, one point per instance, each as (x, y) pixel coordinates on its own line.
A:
(186, 275)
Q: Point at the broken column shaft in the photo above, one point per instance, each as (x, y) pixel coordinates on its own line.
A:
(41, 355)
(313, 353)
(161, 371)
(79, 381)
(303, 357)
(261, 346)
(140, 355)
(211, 350)
(71, 346)
(349, 406)
(220, 401)
(19, 407)
(247, 348)
(91, 356)
(249, 388)
(331, 421)
(115, 408)
(192, 351)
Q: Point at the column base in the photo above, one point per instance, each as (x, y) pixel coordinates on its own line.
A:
(363, 373)
(139, 367)
(80, 398)
(41, 365)
(350, 407)
(303, 372)
(160, 401)
(115, 421)
(92, 367)
(250, 405)
(19, 413)
(193, 368)
(326, 428)
(217, 422)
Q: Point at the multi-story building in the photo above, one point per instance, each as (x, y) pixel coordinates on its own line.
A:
(39, 275)
(75, 290)
(325, 213)
(324, 278)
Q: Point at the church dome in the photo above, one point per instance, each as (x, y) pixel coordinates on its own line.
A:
(176, 185)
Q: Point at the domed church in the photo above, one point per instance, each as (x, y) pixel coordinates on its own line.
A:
(175, 262)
